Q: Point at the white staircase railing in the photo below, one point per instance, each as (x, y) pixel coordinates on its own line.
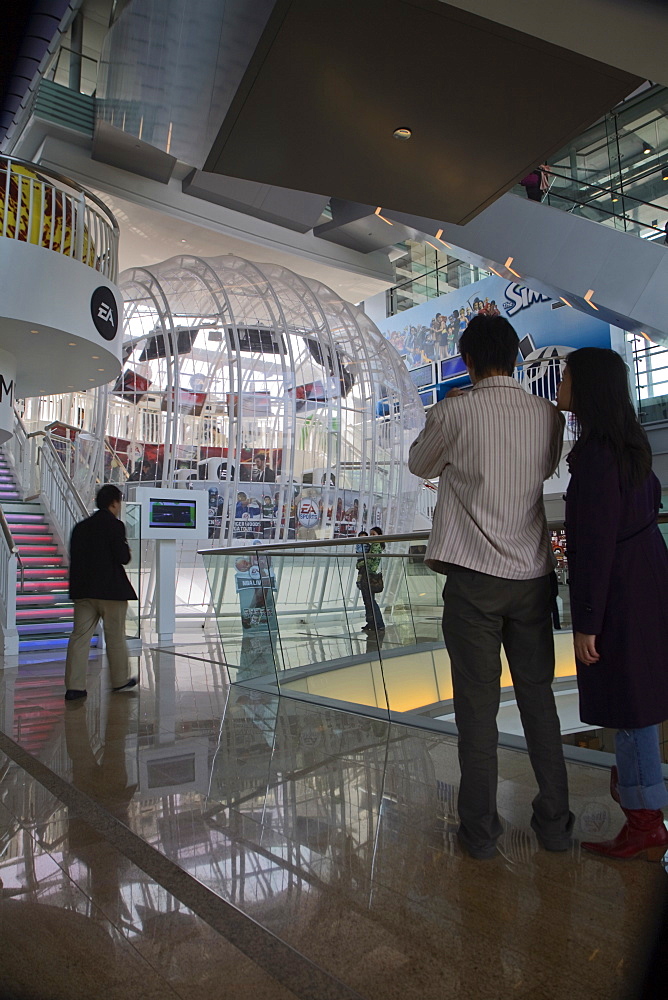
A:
(22, 451)
(59, 494)
(9, 562)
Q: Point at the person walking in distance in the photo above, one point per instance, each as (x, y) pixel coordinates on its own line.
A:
(492, 448)
(99, 588)
(618, 578)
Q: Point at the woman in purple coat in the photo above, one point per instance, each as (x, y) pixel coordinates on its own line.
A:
(618, 576)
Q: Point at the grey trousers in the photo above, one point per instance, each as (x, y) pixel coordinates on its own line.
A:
(480, 613)
(87, 613)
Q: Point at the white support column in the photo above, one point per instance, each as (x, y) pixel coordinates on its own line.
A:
(165, 589)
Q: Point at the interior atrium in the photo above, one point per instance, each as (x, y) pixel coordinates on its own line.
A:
(240, 243)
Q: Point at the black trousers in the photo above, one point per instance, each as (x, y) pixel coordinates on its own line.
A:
(480, 614)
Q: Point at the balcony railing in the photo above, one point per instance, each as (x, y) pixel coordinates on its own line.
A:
(44, 208)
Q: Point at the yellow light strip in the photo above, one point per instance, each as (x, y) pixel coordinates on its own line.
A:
(509, 268)
(495, 272)
(565, 301)
(643, 334)
(438, 237)
(378, 211)
(587, 299)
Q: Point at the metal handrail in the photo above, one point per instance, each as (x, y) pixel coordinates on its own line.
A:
(62, 471)
(11, 545)
(57, 213)
(62, 179)
(311, 543)
(617, 193)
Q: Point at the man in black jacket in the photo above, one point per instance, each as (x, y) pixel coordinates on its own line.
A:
(99, 588)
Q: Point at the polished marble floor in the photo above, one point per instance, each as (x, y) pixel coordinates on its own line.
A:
(198, 840)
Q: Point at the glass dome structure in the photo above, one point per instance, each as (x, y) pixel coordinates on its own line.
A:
(268, 390)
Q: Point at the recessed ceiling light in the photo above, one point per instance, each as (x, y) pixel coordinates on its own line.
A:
(614, 200)
(70, 387)
(91, 379)
(664, 173)
(95, 357)
(184, 241)
(100, 369)
(646, 149)
(72, 343)
(402, 133)
(34, 331)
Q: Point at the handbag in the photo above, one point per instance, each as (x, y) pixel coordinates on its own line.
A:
(376, 583)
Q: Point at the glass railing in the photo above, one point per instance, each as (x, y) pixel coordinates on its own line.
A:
(292, 621)
(613, 207)
(132, 520)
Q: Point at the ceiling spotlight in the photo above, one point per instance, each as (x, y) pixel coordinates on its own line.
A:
(614, 199)
(646, 149)
(95, 357)
(72, 343)
(100, 369)
(664, 173)
(402, 133)
(184, 241)
(34, 331)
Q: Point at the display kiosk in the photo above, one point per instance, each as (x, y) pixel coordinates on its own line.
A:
(166, 516)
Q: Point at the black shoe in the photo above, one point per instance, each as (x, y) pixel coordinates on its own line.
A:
(480, 852)
(127, 687)
(72, 694)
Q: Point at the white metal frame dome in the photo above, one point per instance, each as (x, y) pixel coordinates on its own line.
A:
(230, 360)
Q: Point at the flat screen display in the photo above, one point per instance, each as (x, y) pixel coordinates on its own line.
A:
(166, 513)
(428, 398)
(255, 340)
(422, 376)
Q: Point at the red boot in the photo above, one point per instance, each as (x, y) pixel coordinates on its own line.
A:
(642, 836)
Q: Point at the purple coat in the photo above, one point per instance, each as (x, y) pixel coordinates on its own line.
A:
(618, 577)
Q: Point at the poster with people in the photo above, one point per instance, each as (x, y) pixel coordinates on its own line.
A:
(431, 331)
(255, 583)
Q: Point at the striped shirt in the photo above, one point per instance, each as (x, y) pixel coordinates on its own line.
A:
(492, 447)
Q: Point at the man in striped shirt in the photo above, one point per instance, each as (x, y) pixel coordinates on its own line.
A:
(492, 448)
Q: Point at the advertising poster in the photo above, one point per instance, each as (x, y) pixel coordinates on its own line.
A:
(546, 327)
(255, 583)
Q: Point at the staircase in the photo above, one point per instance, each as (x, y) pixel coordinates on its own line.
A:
(44, 611)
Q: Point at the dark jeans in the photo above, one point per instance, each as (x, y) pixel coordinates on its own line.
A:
(373, 613)
(480, 614)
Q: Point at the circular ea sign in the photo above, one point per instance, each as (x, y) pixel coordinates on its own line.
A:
(104, 311)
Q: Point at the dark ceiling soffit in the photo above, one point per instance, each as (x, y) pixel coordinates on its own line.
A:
(120, 149)
(27, 31)
(273, 167)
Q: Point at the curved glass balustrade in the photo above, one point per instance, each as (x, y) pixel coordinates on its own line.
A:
(291, 617)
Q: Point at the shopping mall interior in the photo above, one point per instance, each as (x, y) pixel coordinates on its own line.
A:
(271, 234)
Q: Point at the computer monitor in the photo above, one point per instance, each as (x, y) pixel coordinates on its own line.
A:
(169, 513)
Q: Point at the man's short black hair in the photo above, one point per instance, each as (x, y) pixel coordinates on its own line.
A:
(491, 345)
(106, 495)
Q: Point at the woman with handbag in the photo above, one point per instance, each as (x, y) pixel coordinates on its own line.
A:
(618, 578)
(370, 583)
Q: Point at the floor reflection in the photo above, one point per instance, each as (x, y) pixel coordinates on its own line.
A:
(335, 832)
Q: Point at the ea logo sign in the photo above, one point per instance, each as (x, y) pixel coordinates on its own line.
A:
(308, 513)
(104, 311)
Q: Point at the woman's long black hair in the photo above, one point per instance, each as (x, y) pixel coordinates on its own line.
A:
(601, 403)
